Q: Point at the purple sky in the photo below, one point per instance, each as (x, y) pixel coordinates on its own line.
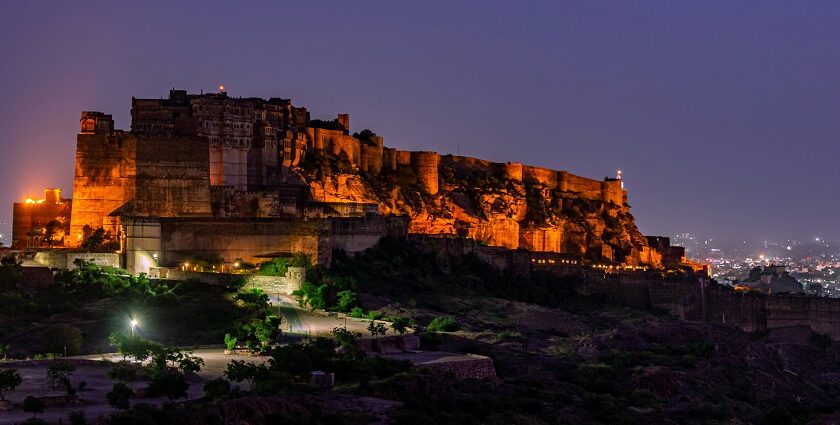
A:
(724, 116)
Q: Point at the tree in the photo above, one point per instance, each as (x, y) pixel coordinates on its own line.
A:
(93, 239)
(311, 296)
(376, 328)
(132, 345)
(238, 371)
(62, 339)
(188, 364)
(230, 342)
(366, 136)
(347, 299)
(53, 233)
(9, 380)
(4, 350)
(400, 324)
(170, 383)
(123, 372)
(81, 388)
(120, 396)
(345, 338)
(11, 271)
(254, 298)
(59, 373)
(33, 405)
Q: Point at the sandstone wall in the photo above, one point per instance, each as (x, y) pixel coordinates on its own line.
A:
(389, 159)
(513, 171)
(106, 167)
(27, 217)
(541, 175)
(425, 164)
(229, 203)
(173, 177)
(253, 240)
(371, 159)
(586, 188)
(612, 192)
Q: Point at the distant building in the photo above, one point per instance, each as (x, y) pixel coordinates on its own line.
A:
(773, 279)
(41, 223)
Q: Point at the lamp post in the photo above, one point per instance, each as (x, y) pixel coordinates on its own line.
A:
(133, 325)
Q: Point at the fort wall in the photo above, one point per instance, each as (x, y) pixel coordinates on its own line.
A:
(106, 168)
(540, 175)
(173, 177)
(425, 164)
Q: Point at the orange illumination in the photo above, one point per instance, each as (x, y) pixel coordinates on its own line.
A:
(221, 88)
(34, 201)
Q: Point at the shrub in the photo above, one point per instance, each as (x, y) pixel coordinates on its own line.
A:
(347, 299)
(59, 373)
(344, 337)
(216, 388)
(443, 324)
(376, 329)
(123, 372)
(357, 312)
(238, 371)
(169, 383)
(33, 405)
(230, 342)
(400, 324)
(9, 380)
(119, 397)
(375, 315)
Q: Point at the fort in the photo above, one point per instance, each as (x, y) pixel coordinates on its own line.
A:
(214, 176)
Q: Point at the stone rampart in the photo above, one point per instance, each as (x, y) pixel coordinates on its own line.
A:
(612, 192)
(106, 166)
(584, 187)
(540, 175)
(425, 164)
(512, 171)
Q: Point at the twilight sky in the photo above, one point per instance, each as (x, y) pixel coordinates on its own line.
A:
(724, 116)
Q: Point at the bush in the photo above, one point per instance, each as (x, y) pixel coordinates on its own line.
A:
(230, 342)
(120, 396)
(400, 324)
(347, 299)
(33, 405)
(443, 324)
(216, 388)
(357, 312)
(9, 380)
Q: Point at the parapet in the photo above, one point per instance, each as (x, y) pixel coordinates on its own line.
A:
(512, 171)
(344, 121)
(93, 122)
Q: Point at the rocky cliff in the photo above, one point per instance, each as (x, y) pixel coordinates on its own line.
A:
(506, 205)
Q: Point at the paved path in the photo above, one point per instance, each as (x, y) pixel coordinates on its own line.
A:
(297, 320)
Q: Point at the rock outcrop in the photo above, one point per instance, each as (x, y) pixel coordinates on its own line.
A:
(508, 205)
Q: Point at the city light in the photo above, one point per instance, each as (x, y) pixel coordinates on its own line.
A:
(133, 326)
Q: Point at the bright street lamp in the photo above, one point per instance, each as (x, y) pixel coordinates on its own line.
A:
(133, 325)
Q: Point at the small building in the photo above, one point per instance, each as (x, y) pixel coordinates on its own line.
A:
(41, 223)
